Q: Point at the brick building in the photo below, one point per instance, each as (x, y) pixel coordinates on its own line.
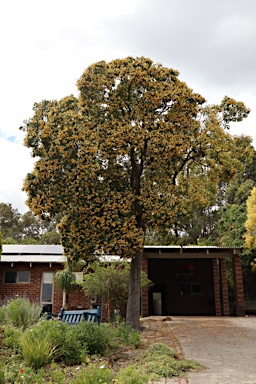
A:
(28, 271)
(192, 280)
(187, 280)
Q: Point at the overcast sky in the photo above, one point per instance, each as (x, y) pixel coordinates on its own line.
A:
(46, 45)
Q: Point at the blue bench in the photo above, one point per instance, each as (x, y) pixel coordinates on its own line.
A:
(75, 316)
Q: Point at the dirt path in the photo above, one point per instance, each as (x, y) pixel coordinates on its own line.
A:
(156, 329)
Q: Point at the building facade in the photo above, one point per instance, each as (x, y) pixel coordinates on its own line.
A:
(186, 280)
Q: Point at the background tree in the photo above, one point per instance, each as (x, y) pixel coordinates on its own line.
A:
(26, 228)
(50, 237)
(109, 281)
(133, 153)
(9, 221)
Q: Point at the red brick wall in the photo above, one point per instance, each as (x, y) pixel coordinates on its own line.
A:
(239, 287)
(32, 290)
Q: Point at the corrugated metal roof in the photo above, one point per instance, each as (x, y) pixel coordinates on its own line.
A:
(14, 253)
(20, 249)
(33, 259)
(54, 253)
(186, 247)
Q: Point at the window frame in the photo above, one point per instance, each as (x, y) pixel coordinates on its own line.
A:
(17, 280)
(191, 291)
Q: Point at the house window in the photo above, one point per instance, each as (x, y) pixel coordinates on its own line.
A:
(47, 288)
(191, 289)
(18, 277)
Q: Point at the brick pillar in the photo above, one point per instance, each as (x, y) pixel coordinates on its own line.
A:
(238, 286)
(216, 285)
(144, 290)
(224, 286)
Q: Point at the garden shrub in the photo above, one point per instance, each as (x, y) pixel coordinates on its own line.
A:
(37, 348)
(95, 337)
(12, 337)
(69, 347)
(2, 376)
(2, 315)
(21, 313)
(121, 334)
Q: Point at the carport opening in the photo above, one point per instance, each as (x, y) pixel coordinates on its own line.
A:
(181, 287)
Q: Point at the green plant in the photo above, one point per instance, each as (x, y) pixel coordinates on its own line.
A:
(110, 282)
(96, 373)
(65, 280)
(2, 376)
(132, 375)
(123, 334)
(70, 348)
(37, 348)
(12, 337)
(95, 337)
(161, 361)
(21, 313)
(163, 349)
(2, 315)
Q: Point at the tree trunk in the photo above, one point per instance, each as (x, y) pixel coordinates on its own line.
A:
(133, 304)
(64, 299)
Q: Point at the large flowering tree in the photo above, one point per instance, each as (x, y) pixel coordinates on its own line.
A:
(134, 151)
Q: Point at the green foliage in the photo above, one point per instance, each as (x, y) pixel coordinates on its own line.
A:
(136, 151)
(27, 228)
(37, 348)
(163, 349)
(50, 237)
(65, 280)
(250, 236)
(162, 362)
(132, 375)
(94, 337)
(12, 337)
(9, 221)
(2, 315)
(96, 373)
(2, 376)
(10, 240)
(124, 334)
(54, 352)
(21, 313)
(135, 136)
(110, 282)
(69, 348)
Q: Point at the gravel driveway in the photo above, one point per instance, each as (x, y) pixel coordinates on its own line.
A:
(226, 346)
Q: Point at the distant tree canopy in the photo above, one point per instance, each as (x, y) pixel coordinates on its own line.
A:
(137, 151)
(27, 228)
(221, 221)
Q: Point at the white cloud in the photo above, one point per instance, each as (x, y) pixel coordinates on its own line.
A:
(15, 163)
(46, 45)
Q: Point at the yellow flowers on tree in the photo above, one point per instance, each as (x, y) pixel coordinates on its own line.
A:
(250, 224)
(124, 157)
